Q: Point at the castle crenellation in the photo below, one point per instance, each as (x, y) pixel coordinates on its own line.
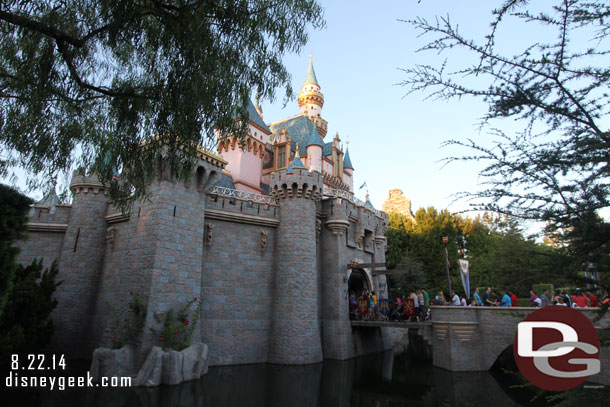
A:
(268, 260)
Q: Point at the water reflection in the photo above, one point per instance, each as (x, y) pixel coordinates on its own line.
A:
(381, 380)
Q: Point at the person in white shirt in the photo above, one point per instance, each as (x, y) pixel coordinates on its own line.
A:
(455, 300)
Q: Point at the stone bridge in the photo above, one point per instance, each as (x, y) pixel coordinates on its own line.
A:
(472, 338)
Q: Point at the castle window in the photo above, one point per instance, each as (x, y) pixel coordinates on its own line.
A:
(281, 157)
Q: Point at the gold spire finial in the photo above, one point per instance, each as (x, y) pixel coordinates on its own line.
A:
(367, 195)
(296, 154)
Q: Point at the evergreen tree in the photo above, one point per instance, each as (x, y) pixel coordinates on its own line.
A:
(13, 218)
(27, 291)
(556, 168)
(26, 325)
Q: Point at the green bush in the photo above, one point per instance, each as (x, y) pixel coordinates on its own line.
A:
(177, 327)
(539, 287)
(26, 292)
(25, 323)
(13, 219)
(523, 302)
(129, 324)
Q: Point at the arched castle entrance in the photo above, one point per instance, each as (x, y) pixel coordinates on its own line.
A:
(358, 282)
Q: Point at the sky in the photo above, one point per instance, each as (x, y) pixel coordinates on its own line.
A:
(395, 139)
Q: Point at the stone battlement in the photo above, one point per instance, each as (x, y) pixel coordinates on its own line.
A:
(299, 183)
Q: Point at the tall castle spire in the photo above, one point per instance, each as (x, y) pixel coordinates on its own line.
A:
(311, 100)
(311, 74)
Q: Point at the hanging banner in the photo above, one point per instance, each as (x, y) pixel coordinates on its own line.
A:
(363, 306)
(409, 306)
(385, 306)
(465, 276)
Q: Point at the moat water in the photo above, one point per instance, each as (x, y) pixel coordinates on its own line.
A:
(381, 380)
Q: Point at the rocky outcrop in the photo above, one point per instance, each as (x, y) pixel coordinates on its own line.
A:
(396, 202)
(159, 367)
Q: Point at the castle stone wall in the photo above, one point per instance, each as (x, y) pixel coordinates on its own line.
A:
(237, 285)
(41, 244)
(272, 278)
(295, 335)
(80, 266)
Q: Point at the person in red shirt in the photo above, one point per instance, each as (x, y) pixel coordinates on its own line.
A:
(513, 299)
(580, 299)
(593, 299)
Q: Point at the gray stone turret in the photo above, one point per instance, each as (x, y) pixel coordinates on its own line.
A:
(81, 264)
(336, 328)
(295, 335)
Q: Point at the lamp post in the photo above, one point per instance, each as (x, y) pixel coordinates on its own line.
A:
(445, 241)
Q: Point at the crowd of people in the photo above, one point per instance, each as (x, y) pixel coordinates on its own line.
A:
(415, 307)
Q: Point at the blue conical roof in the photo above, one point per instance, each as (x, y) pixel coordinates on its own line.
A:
(314, 138)
(296, 162)
(255, 117)
(347, 162)
(311, 74)
(257, 105)
(50, 198)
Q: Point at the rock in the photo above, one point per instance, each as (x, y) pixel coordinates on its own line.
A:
(151, 372)
(172, 367)
(398, 203)
(195, 361)
(159, 367)
(112, 362)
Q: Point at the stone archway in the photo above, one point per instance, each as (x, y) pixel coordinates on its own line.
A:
(358, 281)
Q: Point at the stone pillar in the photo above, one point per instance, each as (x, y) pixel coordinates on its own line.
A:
(80, 267)
(337, 332)
(295, 334)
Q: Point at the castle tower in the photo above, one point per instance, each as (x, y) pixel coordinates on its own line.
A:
(81, 262)
(314, 151)
(348, 171)
(245, 162)
(311, 100)
(295, 335)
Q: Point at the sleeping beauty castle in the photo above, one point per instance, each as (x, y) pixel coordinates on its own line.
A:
(296, 142)
(267, 235)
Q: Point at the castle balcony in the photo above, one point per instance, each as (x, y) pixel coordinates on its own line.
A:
(334, 181)
(244, 195)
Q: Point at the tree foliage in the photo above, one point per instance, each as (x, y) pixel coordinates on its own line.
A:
(13, 217)
(555, 88)
(26, 291)
(498, 253)
(84, 83)
(556, 167)
(25, 323)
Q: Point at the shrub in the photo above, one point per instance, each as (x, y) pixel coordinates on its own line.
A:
(129, 324)
(25, 323)
(177, 327)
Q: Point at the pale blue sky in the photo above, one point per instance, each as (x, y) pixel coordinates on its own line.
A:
(394, 140)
